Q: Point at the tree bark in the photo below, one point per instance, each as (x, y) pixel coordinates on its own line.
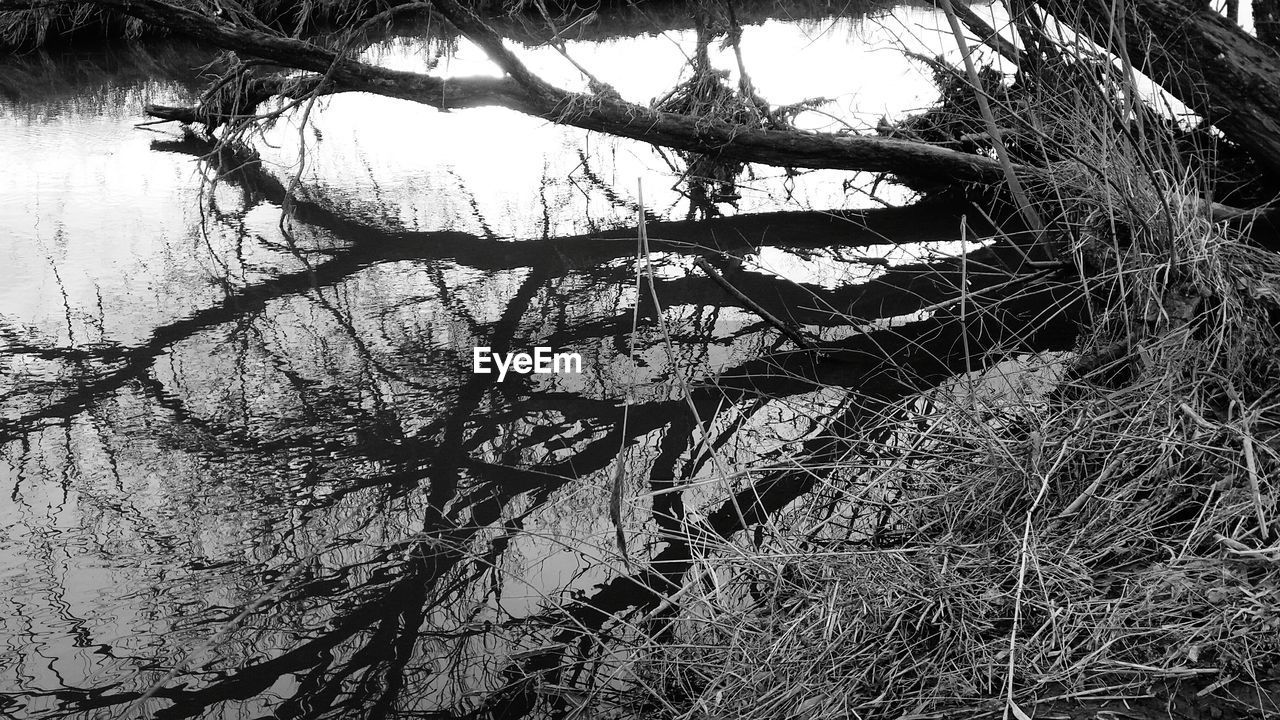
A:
(1266, 22)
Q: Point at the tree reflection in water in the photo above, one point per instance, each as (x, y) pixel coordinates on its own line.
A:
(441, 543)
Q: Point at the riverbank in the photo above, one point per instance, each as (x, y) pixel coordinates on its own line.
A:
(1058, 534)
(1076, 533)
(60, 26)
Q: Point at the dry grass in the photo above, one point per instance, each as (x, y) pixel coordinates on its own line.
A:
(1094, 528)
(1087, 542)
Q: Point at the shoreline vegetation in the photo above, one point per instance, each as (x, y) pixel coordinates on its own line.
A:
(1056, 497)
(63, 25)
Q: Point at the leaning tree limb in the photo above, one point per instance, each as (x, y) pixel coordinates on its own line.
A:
(1202, 58)
(986, 34)
(724, 140)
(1266, 20)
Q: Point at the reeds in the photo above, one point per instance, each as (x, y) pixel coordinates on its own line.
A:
(1074, 545)
(1055, 534)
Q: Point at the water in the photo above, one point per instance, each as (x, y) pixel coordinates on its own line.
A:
(263, 459)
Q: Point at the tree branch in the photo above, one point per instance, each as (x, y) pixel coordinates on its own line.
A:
(725, 140)
(524, 92)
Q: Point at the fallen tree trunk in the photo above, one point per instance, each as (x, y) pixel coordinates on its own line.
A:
(722, 140)
(1266, 22)
(1205, 60)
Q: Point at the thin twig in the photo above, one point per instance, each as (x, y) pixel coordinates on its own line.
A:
(784, 327)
